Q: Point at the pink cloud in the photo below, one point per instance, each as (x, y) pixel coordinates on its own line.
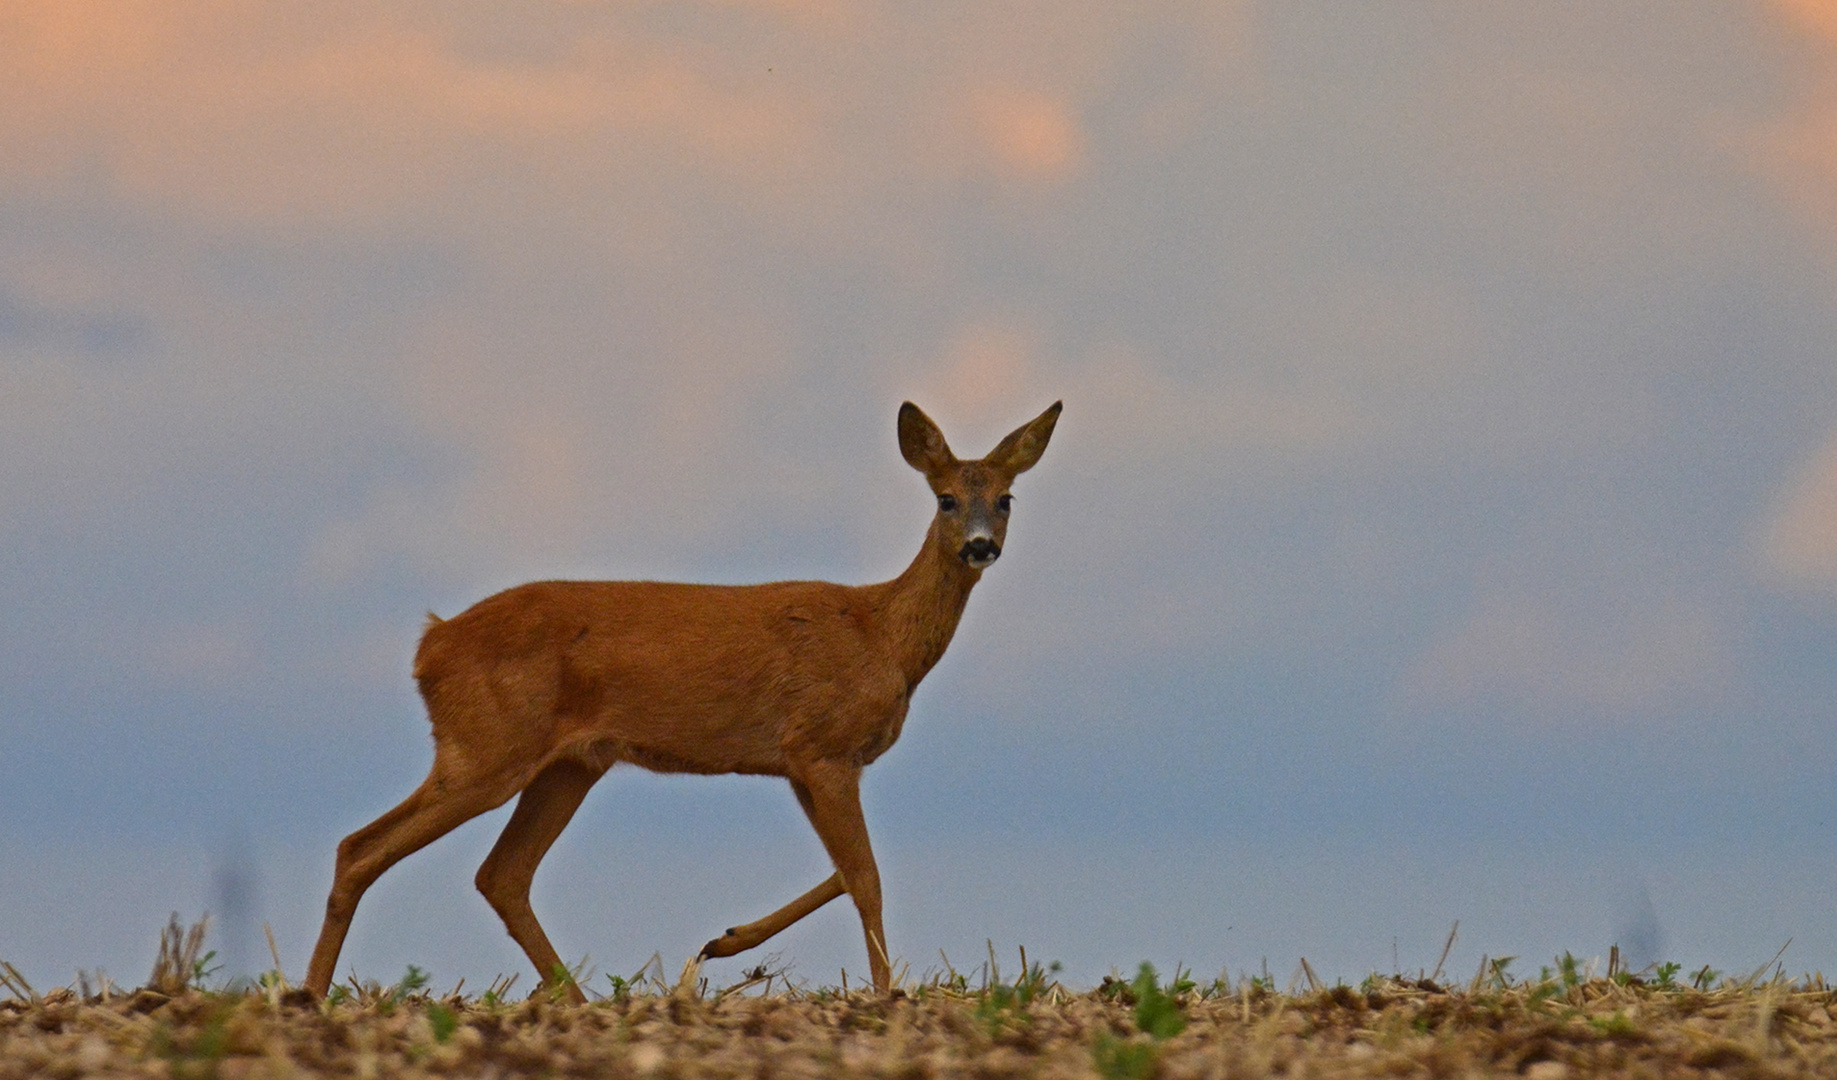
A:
(1524, 652)
(1029, 135)
(1800, 544)
(585, 149)
(232, 110)
(1799, 153)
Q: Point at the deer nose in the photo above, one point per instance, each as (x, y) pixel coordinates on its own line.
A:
(980, 552)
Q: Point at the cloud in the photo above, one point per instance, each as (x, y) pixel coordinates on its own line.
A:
(985, 377)
(1799, 150)
(1539, 656)
(203, 657)
(1818, 16)
(688, 243)
(366, 116)
(1029, 135)
(1799, 545)
(241, 114)
(1129, 406)
(617, 189)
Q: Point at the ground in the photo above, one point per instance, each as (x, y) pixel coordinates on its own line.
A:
(1562, 1023)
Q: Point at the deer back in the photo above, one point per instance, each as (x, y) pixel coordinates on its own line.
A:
(673, 677)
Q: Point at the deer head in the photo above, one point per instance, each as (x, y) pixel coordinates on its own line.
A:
(973, 497)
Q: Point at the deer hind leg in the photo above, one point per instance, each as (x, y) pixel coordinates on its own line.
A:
(741, 938)
(431, 811)
(542, 812)
(831, 797)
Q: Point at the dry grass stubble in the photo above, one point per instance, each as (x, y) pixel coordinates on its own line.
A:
(1558, 1025)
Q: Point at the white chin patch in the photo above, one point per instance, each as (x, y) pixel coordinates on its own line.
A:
(980, 563)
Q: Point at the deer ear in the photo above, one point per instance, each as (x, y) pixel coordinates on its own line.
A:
(921, 443)
(1022, 448)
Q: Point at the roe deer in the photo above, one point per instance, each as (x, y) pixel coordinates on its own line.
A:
(542, 688)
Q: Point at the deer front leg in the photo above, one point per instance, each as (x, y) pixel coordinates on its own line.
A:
(741, 938)
(830, 794)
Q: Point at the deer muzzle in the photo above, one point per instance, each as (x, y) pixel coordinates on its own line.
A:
(979, 552)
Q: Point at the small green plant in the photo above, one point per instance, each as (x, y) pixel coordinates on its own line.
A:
(621, 988)
(1157, 1016)
(1705, 977)
(1156, 1013)
(1665, 975)
(1544, 990)
(1001, 1007)
(1006, 1006)
(1570, 969)
(198, 1056)
(1500, 977)
(442, 1020)
(1124, 1059)
(497, 992)
(202, 969)
(564, 977)
(1036, 980)
(1619, 1025)
(413, 980)
(1181, 983)
(560, 978)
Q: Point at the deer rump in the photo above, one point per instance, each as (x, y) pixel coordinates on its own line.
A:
(671, 677)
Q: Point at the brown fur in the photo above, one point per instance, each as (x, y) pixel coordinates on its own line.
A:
(541, 688)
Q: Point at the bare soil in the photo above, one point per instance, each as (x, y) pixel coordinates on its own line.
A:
(1389, 1028)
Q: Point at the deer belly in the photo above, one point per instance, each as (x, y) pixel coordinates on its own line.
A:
(695, 742)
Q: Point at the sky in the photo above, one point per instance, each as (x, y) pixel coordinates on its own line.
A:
(1442, 524)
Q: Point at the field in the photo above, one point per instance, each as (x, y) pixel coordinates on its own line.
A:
(1564, 1020)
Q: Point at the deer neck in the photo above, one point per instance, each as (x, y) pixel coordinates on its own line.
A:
(923, 606)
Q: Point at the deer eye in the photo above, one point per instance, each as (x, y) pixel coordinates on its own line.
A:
(947, 503)
(1005, 503)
